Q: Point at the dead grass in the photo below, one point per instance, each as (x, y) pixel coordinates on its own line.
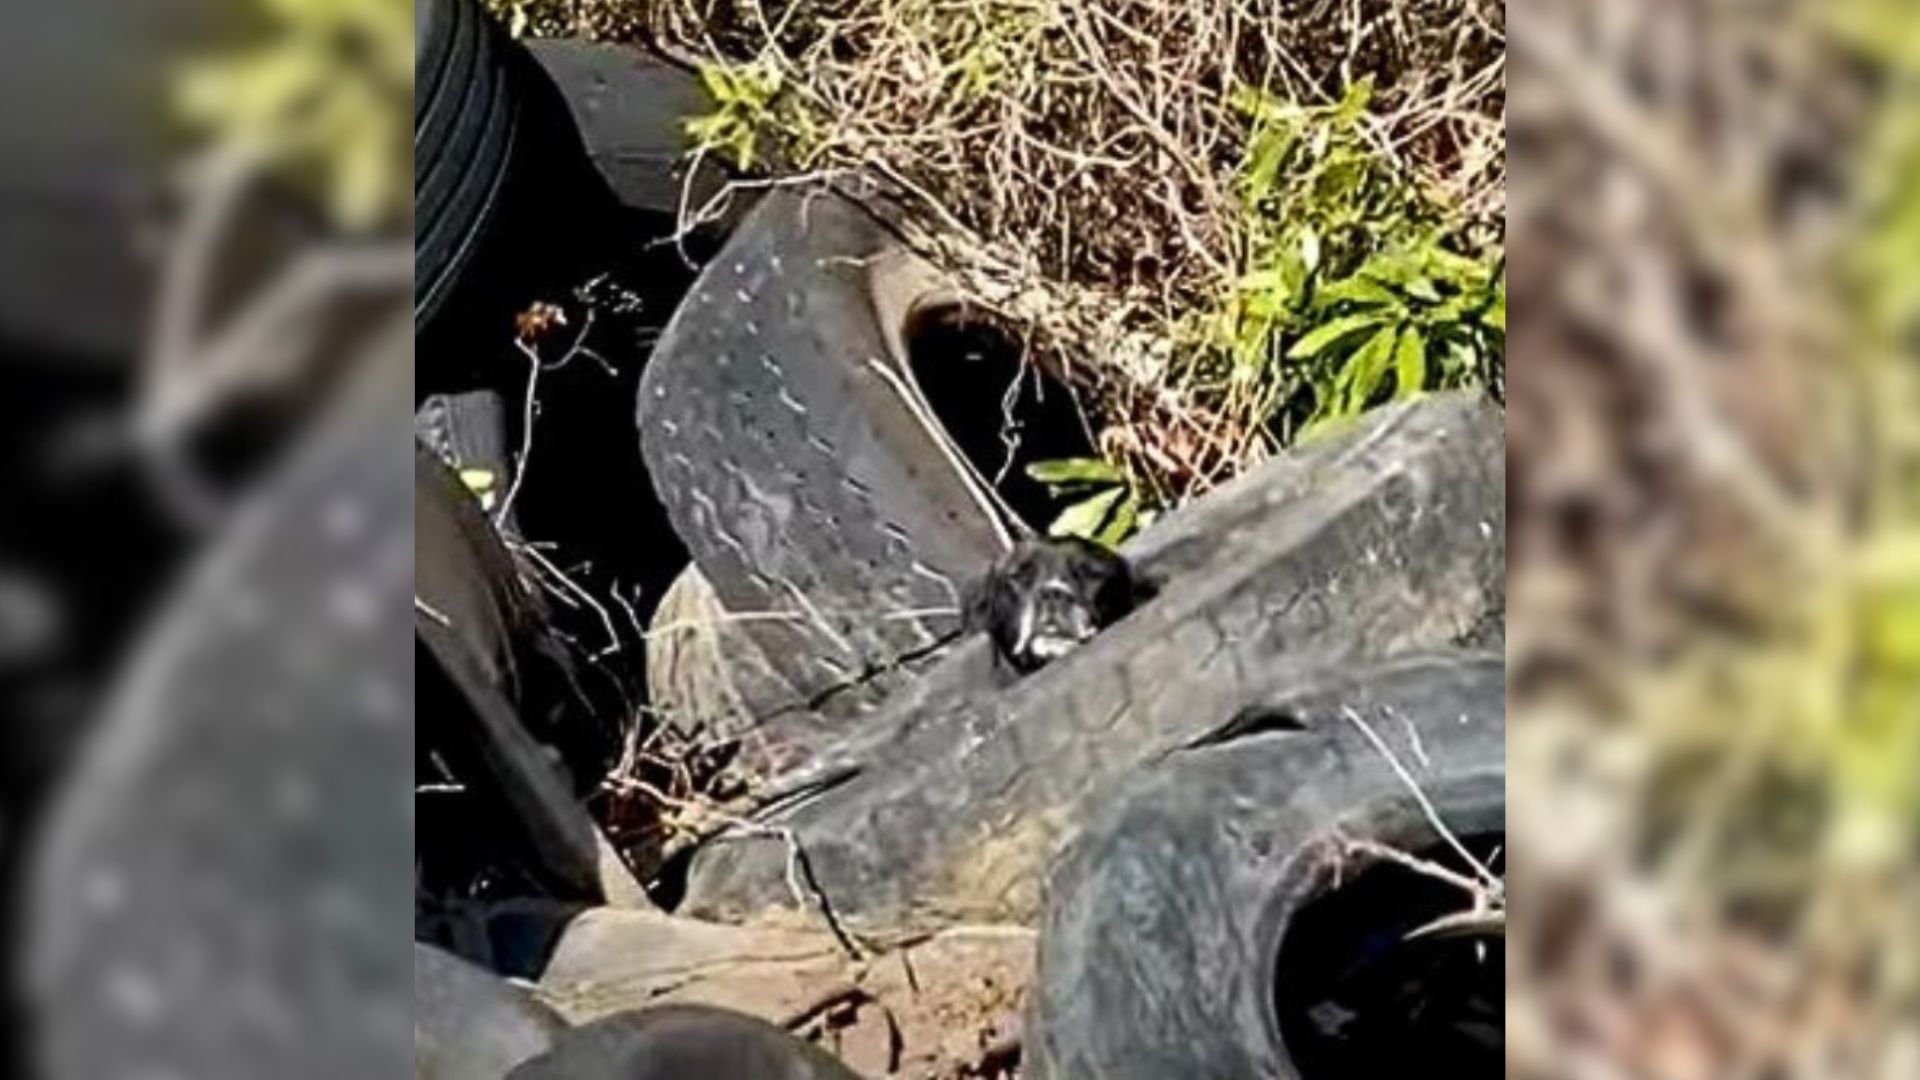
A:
(1711, 746)
(1075, 163)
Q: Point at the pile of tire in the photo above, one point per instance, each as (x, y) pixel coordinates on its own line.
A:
(1317, 679)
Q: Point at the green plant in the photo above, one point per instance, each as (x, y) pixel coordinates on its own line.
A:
(324, 97)
(743, 96)
(1357, 287)
(1106, 505)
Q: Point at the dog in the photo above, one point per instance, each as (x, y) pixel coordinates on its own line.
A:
(1047, 597)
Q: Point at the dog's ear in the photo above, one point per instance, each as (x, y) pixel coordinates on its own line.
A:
(976, 601)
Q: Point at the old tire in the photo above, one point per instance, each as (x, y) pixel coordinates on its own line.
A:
(215, 890)
(707, 674)
(466, 122)
(1387, 540)
(671, 1042)
(470, 1024)
(500, 697)
(1161, 950)
(778, 419)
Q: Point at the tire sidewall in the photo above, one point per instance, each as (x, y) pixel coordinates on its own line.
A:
(1161, 943)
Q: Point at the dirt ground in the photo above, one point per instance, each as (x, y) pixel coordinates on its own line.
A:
(938, 1007)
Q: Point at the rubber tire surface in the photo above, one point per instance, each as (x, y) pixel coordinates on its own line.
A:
(1386, 540)
(466, 122)
(772, 420)
(706, 673)
(1157, 954)
(483, 635)
(682, 1042)
(470, 1024)
(218, 888)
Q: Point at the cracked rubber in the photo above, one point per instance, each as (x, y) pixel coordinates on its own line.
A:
(772, 420)
(1386, 540)
(1164, 920)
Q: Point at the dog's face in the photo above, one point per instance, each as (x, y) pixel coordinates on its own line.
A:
(1047, 597)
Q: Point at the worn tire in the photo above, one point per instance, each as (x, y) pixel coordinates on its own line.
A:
(1159, 946)
(671, 1042)
(705, 673)
(501, 696)
(778, 419)
(1386, 540)
(466, 123)
(228, 851)
(470, 1024)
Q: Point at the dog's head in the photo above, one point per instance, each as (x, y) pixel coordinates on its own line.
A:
(1048, 596)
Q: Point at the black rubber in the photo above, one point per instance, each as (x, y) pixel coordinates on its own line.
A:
(219, 887)
(776, 421)
(630, 108)
(1388, 539)
(682, 1042)
(498, 688)
(1160, 946)
(470, 1024)
(466, 123)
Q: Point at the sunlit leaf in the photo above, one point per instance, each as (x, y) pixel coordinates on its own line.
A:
(1368, 366)
(1124, 521)
(1496, 314)
(1075, 471)
(1322, 337)
(1086, 517)
(1410, 363)
(1355, 290)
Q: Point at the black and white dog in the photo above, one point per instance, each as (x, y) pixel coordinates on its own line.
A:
(1046, 597)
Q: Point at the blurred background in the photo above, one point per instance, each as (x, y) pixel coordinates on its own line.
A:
(1714, 660)
(1714, 453)
(205, 360)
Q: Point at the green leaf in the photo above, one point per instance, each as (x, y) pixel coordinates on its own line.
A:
(1496, 314)
(1322, 426)
(1264, 157)
(718, 81)
(1368, 366)
(1075, 471)
(1269, 280)
(1410, 363)
(1420, 288)
(1124, 521)
(1325, 335)
(1353, 104)
(1355, 290)
(1085, 518)
(1467, 272)
(1462, 360)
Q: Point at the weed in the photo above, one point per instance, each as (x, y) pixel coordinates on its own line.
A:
(743, 98)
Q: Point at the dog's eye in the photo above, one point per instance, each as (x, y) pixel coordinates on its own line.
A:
(1093, 570)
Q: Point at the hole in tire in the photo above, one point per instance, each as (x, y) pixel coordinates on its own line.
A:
(967, 366)
(1353, 998)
